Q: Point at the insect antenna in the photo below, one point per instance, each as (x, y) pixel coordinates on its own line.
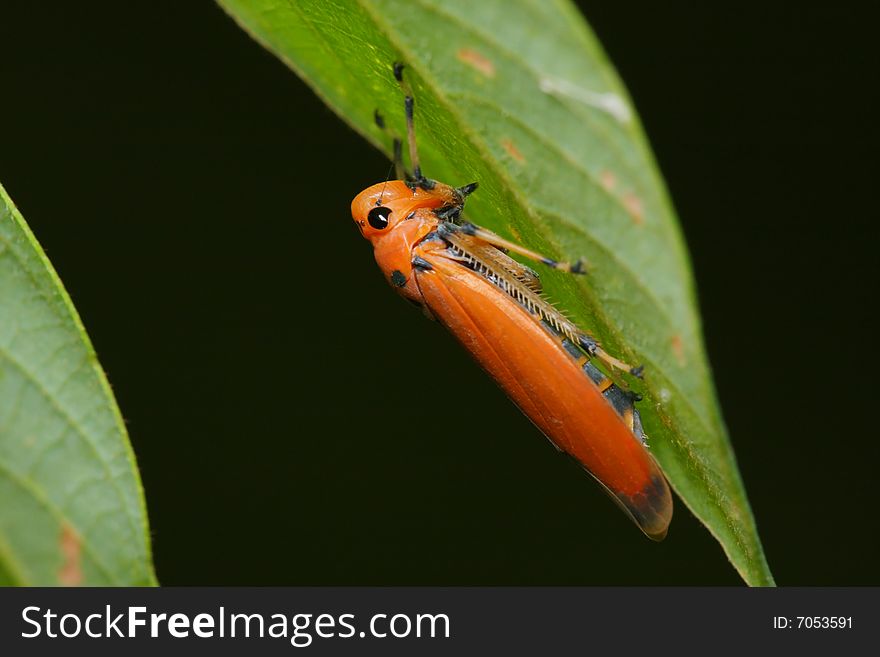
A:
(385, 184)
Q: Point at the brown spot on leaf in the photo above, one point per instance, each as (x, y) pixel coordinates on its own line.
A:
(513, 151)
(476, 61)
(608, 180)
(678, 349)
(633, 205)
(70, 573)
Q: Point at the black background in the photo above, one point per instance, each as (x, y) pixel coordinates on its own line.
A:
(194, 196)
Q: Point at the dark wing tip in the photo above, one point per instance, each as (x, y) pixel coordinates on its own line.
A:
(650, 508)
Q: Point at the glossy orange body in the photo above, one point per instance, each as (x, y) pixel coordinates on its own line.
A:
(527, 360)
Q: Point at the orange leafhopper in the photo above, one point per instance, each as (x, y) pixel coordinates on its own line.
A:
(461, 275)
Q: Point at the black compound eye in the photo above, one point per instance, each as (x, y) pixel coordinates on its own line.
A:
(379, 217)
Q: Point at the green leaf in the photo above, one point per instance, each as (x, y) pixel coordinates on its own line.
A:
(71, 505)
(519, 96)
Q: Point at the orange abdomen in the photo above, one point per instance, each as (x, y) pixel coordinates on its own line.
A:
(548, 385)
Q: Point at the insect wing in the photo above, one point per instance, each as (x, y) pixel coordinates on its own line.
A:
(549, 386)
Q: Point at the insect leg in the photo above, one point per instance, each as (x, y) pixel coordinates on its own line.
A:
(589, 344)
(497, 241)
(399, 171)
(418, 178)
(483, 246)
